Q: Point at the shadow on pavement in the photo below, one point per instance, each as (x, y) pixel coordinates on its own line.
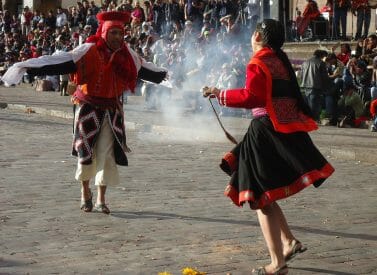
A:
(167, 216)
(43, 122)
(10, 263)
(321, 271)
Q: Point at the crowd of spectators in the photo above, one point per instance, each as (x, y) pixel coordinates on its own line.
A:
(190, 38)
(199, 42)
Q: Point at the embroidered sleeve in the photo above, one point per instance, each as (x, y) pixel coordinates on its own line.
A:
(251, 96)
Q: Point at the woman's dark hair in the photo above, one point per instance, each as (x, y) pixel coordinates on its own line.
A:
(273, 36)
(347, 46)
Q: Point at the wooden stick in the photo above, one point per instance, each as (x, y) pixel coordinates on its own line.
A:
(229, 136)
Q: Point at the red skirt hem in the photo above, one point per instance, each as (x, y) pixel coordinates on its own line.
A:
(268, 197)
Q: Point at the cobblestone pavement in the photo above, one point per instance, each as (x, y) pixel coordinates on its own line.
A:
(168, 212)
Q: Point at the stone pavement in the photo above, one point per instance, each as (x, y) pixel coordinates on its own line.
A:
(169, 211)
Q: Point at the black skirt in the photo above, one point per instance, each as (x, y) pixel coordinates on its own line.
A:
(267, 165)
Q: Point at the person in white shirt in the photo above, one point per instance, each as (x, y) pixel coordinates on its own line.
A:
(61, 18)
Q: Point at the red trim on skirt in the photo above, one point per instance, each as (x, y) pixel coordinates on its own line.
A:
(231, 160)
(270, 196)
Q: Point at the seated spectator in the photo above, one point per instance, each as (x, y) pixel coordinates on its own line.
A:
(370, 48)
(345, 52)
(335, 69)
(362, 80)
(315, 82)
(351, 108)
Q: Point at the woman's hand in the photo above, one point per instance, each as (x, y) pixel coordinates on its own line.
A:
(210, 91)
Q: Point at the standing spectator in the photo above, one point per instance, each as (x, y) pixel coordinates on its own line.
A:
(85, 5)
(61, 18)
(26, 18)
(341, 8)
(159, 17)
(310, 13)
(50, 20)
(7, 21)
(363, 15)
(35, 19)
(82, 12)
(15, 26)
(194, 13)
(172, 14)
(137, 16)
(148, 11)
(94, 8)
(253, 11)
(91, 21)
(128, 7)
(74, 19)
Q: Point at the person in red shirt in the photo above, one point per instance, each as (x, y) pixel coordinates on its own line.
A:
(26, 18)
(345, 53)
(272, 161)
(310, 13)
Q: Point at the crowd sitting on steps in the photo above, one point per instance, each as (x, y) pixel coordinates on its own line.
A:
(341, 88)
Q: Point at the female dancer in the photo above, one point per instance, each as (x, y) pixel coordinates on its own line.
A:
(276, 157)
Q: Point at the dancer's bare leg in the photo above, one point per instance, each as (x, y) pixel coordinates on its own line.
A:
(286, 234)
(101, 194)
(269, 220)
(85, 190)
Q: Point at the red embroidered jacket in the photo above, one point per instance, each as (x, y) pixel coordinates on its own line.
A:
(268, 85)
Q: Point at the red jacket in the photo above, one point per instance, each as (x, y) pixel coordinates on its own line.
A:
(260, 72)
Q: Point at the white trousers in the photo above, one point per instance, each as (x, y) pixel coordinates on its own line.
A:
(103, 167)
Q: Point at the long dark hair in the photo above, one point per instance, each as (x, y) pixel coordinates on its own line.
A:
(273, 36)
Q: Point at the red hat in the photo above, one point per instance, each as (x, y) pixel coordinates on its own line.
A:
(111, 19)
(121, 16)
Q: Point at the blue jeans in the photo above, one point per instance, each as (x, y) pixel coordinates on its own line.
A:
(363, 17)
(331, 107)
(347, 78)
(340, 22)
(315, 101)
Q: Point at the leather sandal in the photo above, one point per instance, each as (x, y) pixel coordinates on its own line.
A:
(87, 205)
(296, 248)
(102, 207)
(262, 271)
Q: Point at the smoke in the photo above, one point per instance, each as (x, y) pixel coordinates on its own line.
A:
(215, 60)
